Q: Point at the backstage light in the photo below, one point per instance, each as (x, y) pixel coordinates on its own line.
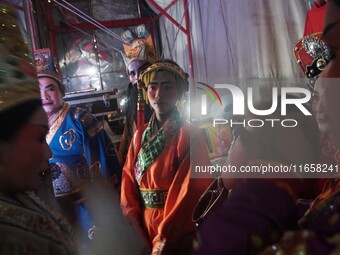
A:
(92, 71)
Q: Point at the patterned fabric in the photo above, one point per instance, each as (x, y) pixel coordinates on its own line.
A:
(140, 47)
(82, 151)
(326, 203)
(330, 153)
(154, 198)
(45, 64)
(154, 142)
(55, 121)
(320, 228)
(28, 226)
(81, 147)
(312, 54)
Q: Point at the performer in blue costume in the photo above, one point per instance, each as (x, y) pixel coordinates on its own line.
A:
(81, 147)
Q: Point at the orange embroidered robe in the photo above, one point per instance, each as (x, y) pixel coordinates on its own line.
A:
(167, 227)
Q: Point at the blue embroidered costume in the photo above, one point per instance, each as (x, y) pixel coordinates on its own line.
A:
(82, 151)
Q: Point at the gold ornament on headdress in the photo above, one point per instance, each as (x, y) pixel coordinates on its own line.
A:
(18, 79)
(141, 47)
(312, 54)
(45, 64)
(167, 66)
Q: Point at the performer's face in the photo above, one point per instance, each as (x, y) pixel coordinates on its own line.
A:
(25, 157)
(328, 87)
(328, 83)
(51, 97)
(163, 92)
(134, 70)
(318, 104)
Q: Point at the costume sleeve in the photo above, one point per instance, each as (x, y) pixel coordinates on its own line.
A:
(15, 241)
(131, 200)
(99, 150)
(177, 230)
(254, 216)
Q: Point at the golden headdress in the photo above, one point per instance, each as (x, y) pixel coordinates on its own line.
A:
(167, 65)
(180, 77)
(46, 67)
(140, 47)
(18, 78)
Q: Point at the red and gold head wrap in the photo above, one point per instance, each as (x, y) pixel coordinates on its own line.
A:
(181, 77)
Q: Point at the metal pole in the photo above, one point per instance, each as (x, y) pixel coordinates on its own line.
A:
(187, 26)
(154, 4)
(50, 33)
(30, 21)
